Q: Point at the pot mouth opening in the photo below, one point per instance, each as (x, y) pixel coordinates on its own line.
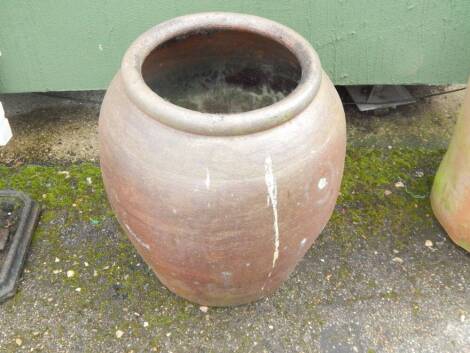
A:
(221, 73)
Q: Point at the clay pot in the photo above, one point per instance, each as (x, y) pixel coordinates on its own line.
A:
(224, 197)
(450, 196)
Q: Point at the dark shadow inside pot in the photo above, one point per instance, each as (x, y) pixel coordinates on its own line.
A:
(223, 71)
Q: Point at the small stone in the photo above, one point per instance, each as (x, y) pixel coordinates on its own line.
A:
(399, 184)
(271, 327)
(70, 273)
(119, 333)
(168, 334)
(395, 251)
(397, 260)
(387, 192)
(56, 271)
(35, 333)
(50, 300)
(19, 341)
(78, 289)
(57, 259)
(146, 324)
(89, 181)
(204, 309)
(86, 264)
(419, 174)
(462, 318)
(428, 243)
(95, 273)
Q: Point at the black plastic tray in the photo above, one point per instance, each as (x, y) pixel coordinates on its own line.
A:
(15, 256)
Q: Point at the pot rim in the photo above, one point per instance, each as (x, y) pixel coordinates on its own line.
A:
(220, 124)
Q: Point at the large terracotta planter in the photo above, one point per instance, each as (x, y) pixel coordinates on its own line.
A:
(222, 201)
(450, 197)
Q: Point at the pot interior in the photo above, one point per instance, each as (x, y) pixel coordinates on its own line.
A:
(222, 71)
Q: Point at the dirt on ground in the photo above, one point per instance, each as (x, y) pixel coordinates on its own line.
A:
(382, 277)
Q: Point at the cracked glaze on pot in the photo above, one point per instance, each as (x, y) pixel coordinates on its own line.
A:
(222, 206)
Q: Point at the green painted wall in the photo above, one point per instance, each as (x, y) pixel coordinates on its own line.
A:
(78, 44)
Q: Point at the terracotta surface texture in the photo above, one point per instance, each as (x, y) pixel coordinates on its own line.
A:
(222, 205)
(451, 190)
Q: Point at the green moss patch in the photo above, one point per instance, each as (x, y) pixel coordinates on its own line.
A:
(82, 263)
(385, 189)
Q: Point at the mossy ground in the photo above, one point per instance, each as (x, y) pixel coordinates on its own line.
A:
(369, 283)
(117, 291)
(386, 187)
